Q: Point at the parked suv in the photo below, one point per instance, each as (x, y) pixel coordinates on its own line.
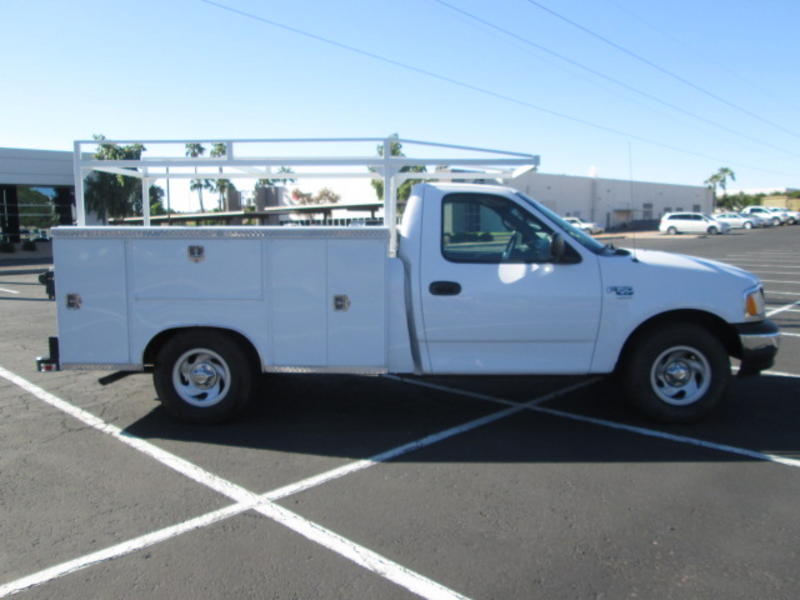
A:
(764, 213)
(690, 222)
(789, 217)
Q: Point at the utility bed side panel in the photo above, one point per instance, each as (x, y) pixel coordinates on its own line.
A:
(297, 290)
(328, 299)
(357, 276)
(95, 330)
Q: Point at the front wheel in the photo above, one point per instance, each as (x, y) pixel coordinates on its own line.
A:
(748, 225)
(203, 376)
(672, 231)
(712, 230)
(676, 373)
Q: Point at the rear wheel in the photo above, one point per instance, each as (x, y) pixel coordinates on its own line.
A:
(748, 225)
(203, 376)
(712, 230)
(677, 373)
(672, 231)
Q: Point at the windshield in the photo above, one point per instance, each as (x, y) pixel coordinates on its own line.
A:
(584, 239)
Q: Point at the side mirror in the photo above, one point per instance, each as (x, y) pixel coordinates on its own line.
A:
(557, 247)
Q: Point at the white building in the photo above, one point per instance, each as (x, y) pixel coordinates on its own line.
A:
(612, 202)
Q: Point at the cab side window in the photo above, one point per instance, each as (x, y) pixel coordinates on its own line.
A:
(481, 228)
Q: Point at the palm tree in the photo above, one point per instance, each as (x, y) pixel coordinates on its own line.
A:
(720, 178)
(195, 150)
(221, 186)
(725, 173)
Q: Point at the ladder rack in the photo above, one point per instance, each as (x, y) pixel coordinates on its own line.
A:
(245, 158)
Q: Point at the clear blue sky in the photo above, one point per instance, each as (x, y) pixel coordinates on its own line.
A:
(188, 69)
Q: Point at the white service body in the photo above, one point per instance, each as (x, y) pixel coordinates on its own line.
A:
(331, 299)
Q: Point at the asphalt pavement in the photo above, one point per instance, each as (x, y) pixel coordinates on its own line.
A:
(383, 487)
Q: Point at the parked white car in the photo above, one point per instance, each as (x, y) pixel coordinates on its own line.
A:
(586, 226)
(738, 220)
(691, 222)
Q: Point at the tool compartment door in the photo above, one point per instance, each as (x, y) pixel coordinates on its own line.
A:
(93, 329)
(356, 303)
(328, 299)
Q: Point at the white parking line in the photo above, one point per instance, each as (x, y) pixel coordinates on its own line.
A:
(364, 557)
(783, 308)
(7, 291)
(513, 408)
(683, 439)
(121, 549)
(263, 503)
(780, 374)
(786, 333)
(750, 265)
(777, 272)
(789, 462)
(751, 258)
(781, 281)
(774, 293)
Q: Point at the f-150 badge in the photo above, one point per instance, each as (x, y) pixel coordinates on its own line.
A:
(622, 291)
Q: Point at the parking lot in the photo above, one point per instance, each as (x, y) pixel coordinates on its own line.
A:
(385, 487)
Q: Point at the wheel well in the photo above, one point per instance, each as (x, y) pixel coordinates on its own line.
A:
(712, 323)
(155, 345)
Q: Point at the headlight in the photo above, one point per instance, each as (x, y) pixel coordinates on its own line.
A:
(754, 304)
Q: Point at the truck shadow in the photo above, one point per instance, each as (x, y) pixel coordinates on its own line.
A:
(359, 417)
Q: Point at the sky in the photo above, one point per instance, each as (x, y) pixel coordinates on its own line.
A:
(653, 91)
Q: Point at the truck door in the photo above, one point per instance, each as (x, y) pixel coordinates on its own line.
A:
(493, 298)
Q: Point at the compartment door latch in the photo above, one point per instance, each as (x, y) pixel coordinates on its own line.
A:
(341, 302)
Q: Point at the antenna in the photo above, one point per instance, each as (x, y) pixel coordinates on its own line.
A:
(630, 183)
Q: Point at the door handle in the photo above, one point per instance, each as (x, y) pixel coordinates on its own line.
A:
(444, 288)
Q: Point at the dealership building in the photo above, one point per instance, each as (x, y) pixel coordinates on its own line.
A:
(613, 203)
(37, 189)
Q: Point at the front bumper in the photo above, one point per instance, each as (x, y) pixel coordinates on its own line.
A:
(759, 343)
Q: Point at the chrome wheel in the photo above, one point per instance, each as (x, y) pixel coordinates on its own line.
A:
(680, 376)
(201, 377)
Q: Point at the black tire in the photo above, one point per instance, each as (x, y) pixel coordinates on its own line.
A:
(203, 376)
(686, 356)
(712, 230)
(672, 231)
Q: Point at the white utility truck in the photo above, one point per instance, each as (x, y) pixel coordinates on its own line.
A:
(477, 279)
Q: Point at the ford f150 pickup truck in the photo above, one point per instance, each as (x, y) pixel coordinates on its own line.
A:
(480, 279)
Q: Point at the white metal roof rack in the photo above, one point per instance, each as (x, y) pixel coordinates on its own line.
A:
(244, 158)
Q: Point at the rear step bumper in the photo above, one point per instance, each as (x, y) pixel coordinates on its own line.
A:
(49, 363)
